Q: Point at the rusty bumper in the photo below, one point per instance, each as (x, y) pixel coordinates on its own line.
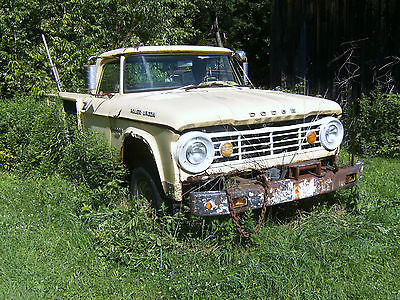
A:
(250, 194)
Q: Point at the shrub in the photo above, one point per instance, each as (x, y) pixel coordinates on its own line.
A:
(89, 160)
(33, 140)
(31, 135)
(373, 127)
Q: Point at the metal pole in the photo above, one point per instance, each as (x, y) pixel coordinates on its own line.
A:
(53, 67)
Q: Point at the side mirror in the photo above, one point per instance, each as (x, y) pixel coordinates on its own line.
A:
(91, 71)
(242, 57)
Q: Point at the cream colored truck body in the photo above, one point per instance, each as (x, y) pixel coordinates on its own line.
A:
(160, 117)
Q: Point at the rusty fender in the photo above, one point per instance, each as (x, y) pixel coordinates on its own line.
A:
(249, 194)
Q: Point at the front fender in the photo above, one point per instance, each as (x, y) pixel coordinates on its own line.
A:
(151, 142)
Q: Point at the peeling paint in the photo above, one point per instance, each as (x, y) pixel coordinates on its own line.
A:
(279, 191)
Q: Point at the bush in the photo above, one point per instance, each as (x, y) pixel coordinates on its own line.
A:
(89, 160)
(31, 135)
(34, 140)
(373, 127)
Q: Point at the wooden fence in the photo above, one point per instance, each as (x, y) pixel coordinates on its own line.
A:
(335, 48)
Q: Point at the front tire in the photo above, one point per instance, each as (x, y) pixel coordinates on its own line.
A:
(143, 186)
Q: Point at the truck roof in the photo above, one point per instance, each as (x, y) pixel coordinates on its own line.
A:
(167, 49)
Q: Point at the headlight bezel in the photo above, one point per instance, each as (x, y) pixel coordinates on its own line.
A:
(324, 130)
(182, 147)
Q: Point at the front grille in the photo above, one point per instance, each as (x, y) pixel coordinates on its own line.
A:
(265, 141)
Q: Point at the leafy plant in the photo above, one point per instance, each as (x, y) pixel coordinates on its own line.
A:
(31, 134)
(299, 88)
(6, 160)
(373, 126)
(76, 30)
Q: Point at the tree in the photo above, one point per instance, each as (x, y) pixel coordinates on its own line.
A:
(77, 29)
(241, 24)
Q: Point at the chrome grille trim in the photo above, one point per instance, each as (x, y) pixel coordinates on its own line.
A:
(264, 143)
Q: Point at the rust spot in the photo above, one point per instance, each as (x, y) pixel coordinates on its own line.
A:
(313, 166)
(312, 179)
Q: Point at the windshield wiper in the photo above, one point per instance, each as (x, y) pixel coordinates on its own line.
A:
(210, 84)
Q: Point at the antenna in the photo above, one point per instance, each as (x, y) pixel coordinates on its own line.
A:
(53, 67)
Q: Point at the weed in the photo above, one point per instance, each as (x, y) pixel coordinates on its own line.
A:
(6, 160)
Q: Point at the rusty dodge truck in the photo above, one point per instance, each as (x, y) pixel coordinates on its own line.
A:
(190, 129)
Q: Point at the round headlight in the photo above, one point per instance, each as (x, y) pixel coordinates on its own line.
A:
(194, 152)
(331, 133)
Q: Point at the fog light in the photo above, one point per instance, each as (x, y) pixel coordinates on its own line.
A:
(226, 149)
(311, 137)
(208, 205)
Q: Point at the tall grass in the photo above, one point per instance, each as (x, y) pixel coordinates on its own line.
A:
(68, 228)
(341, 246)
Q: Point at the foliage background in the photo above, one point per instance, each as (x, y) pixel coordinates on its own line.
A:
(77, 29)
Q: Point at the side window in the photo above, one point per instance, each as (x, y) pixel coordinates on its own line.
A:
(110, 79)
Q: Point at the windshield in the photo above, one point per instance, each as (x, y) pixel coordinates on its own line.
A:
(150, 72)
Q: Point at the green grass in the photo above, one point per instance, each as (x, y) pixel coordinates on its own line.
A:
(44, 249)
(338, 246)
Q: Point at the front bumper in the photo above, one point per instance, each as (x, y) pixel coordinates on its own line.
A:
(302, 183)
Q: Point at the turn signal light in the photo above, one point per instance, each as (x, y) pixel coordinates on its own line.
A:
(239, 202)
(350, 178)
(311, 137)
(208, 205)
(227, 149)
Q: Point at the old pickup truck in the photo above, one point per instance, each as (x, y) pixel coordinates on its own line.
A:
(190, 129)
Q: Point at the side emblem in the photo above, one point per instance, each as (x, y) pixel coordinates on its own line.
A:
(145, 113)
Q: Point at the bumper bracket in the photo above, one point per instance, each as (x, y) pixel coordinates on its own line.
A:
(306, 179)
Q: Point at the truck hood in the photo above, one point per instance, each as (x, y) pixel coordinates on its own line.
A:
(200, 107)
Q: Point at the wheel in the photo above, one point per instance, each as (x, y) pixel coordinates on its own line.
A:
(143, 186)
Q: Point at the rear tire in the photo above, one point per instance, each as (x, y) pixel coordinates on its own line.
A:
(143, 186)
